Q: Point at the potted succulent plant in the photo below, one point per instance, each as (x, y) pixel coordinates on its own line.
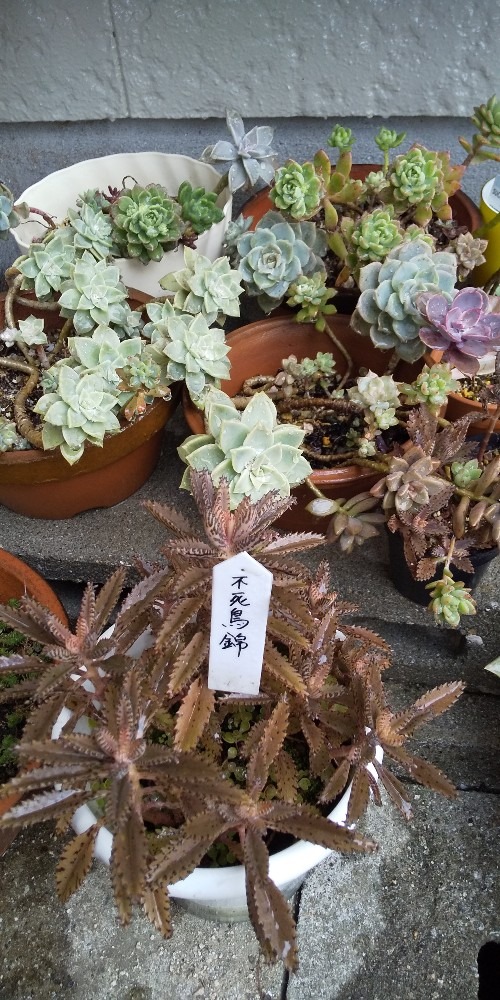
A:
(441, 501)
(145, 206)
(327, 221)
(86, 368)
(177, 773)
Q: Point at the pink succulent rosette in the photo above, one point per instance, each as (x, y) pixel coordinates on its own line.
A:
(465, 329)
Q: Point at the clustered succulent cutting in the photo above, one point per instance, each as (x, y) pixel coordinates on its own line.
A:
(141, 738)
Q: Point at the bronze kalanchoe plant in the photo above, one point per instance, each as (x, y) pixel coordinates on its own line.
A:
(152, 752)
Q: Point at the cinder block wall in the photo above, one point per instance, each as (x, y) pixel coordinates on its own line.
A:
(82, 78)
(72, 60)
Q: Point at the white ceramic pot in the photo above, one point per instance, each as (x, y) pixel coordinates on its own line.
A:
(57, 192)
(215, 893)
(219, 893)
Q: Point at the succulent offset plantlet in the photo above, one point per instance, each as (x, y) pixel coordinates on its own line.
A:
(450, 599)
(470, 253)
(379, 397)
(198, 207)
(353, 520)
(273, 256)
(465, 329)
(368, 239)
(486, 118)
(317, 691)
(146, 222)
(296, 190)
(47, 265)
(92, 230)
(203, 286)
(387, 309)
(94, 295)
(421, 181)
(410, 483)
(431, 387)
(387, 139)
(313, 297)
(10, 439)
(250, 155)
(250, 450)
(11, 215)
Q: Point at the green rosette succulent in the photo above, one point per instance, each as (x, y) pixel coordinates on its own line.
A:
(465, 474)
(47, 265)
(10, 215)
(431, 387)
(450, 599)
(421, 182)
(296, 190)
(250, 450)
(379, 396)
(197, 354)
(10, 439)
(94, 296)
(80, 410)
(386, 309)
(273, 256)
(388, 138)
(486, 118)
(341, 138)
(198, 207)
(371, 237)
(202, 286)
(92, 230)
(312, 296)
(146, 223)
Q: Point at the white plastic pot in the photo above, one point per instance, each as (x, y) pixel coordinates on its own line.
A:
(57, 192)
(215, 893)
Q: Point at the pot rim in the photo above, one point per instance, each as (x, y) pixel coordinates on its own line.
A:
(31, 582)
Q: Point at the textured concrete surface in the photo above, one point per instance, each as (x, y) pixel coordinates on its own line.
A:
(79, 951)
(406, 923)
(100, 60)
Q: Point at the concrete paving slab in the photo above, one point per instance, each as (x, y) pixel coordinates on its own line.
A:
(405, 923)
(79, 951)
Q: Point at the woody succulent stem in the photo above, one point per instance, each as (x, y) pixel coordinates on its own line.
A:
(487, 434)
(345, 354)
(23, 422)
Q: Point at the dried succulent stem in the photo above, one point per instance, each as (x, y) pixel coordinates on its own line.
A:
(488, 432)
(16, 366)
(449, 554)
(10, 299)
(47, 218)
(47, 306)
(24, 424)
(392, 363)
(221, 184)
(317, 403)
(314, 489)
(63, 333)
(344, 352)
(329, 459)
(459, 516)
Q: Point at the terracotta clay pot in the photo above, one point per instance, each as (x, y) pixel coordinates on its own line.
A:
(42, 484)
(465, 213)
(459, 406)
(17, 579)
(258, 349)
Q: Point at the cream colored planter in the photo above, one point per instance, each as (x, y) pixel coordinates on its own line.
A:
(58, 191)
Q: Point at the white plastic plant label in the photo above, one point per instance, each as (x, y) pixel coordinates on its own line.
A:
(491, 194)
(241, 592)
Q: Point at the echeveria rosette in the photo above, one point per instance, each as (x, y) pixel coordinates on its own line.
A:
(464, 329)
(421, 181)
(203, 286)
(249, 157)
(80, 410)
(197, 354)
(276, 254)
(198, 207)
(371, 237)
(312, 296)
(92, 230)
(387, 308)
(248, 449)
(146, 223)
(95, 295)
(10, 439)
(431, 387)
(379, 396)
(296, 190)
(48, 265)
